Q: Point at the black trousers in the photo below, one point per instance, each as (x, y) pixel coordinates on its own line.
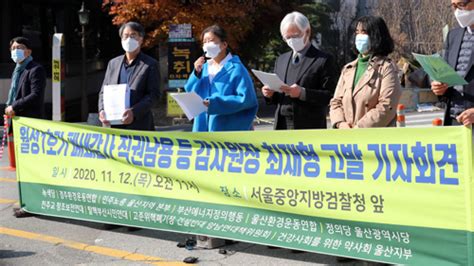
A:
(285, 122)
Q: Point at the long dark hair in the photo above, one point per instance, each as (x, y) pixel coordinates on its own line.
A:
(381, 42)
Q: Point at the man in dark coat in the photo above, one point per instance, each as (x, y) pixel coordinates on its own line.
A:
(459, 53)
(26, 95)
(140, 72)
(309, 76)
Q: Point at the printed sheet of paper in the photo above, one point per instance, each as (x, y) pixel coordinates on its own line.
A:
(116, 101)
(269, 79)
(191, 103)
(438, 69)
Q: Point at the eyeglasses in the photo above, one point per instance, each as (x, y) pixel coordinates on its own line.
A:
(133, 36)
(286, 38)
(460, 5)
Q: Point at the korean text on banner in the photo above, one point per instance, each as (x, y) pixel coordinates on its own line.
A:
(396, 195)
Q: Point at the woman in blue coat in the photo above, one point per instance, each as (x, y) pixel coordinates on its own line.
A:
(224, 84)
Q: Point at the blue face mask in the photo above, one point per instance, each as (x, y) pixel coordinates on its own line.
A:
(18, 55)
(362, 43)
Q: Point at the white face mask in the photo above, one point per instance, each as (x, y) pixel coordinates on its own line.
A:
(18, 55)
(211, 49)
(129, 45)
(362, 43)
(465, 17)
(296, 44)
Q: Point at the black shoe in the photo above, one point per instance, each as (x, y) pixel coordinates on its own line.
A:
(273, 247)
(344, 259)
(109, 227)
(21, 213)
(190, 260)
(295, 251)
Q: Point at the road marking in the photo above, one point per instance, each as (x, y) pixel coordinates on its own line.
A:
(7, 201)
(121, 254)
(3, 179)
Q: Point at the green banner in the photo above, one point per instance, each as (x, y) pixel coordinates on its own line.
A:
(396, 195)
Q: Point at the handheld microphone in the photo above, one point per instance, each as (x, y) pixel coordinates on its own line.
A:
(205, 57)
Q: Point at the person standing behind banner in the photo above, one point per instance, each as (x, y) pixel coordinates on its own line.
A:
(140, 72)
(459, 53)
(309, 76)
(26, 95)
(368, 90)
(225, 85)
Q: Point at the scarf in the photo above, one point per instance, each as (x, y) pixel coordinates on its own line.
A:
(16, 79)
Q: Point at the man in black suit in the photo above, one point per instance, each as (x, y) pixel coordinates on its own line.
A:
(459, 53)
(309, 76)
(26, 95)
(141, 74)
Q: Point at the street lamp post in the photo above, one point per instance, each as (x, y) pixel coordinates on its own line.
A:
(83, 20)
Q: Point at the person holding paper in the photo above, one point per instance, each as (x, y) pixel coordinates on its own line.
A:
(368, 90)
(309, 77)
(459, 50)
(141, 75)
(224, 84)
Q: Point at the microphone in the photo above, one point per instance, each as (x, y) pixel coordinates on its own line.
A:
(205, 57)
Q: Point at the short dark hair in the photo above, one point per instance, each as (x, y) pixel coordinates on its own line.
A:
(380, 41)
(21, 40)
(134, 26)
(216, 30)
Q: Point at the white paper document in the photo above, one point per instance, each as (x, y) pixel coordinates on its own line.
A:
(191, 103)
(269, 79)
(116, 101)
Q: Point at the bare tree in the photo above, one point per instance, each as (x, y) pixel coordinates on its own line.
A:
(415, 25)
(342, 20)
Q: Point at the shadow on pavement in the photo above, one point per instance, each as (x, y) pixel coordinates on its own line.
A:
(237, 247)
(8, 254)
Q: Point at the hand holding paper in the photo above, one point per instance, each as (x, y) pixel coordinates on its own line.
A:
(127, 117)
(438, 88)
(269, 79)
(439, 70)
(191, 103)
